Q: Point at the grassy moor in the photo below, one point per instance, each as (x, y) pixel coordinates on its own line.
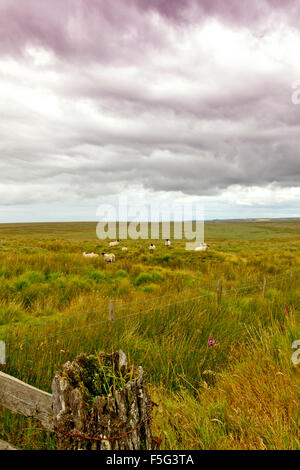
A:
(220, 372)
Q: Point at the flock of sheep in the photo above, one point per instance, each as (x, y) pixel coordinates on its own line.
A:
(110, 257)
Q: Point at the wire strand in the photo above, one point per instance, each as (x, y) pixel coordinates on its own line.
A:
(140, 312)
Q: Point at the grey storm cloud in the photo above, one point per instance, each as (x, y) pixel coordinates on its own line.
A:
(74, 27)
(191, 96)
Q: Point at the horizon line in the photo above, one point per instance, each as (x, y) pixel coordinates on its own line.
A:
(230, 219)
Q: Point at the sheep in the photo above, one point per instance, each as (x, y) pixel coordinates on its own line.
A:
(202, 247)
(116, 243)
(90, 255)
(152, 248)
(167, 243)
(109, 257)
(124, 248)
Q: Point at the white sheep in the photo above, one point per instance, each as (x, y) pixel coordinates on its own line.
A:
(124, 248)
(167, 243)
(116, 243)
(109, 257)
(152, 248)
(90, 255)
(202, 247)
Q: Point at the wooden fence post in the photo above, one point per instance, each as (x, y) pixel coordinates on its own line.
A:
(264, 287)
(111, 311)
(219, 291)
(100, 403)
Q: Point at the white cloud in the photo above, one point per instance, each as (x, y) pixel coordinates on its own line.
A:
(270, 195)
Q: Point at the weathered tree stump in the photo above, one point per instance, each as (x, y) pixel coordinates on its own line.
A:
(100, 403)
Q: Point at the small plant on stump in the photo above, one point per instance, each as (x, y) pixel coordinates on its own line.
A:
(101, 403)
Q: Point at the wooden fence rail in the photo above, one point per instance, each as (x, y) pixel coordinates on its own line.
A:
(26, 400)
(5, 446)
(21, 398)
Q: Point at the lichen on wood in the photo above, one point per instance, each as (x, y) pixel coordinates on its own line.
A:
(99, 396)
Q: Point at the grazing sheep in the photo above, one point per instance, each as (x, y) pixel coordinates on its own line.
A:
(116, 243)
(90, 255)
(167, 243)
(109, 257)
(152, 248)
(124, 248)
(202, 247)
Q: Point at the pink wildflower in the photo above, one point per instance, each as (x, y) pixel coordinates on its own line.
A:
(211, 341)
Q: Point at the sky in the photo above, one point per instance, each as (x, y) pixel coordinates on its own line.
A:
(160, 101)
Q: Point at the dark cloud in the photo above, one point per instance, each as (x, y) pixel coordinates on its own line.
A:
(239, 12)
(97, 29)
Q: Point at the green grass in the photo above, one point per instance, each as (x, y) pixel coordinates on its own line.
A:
(241, 394)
